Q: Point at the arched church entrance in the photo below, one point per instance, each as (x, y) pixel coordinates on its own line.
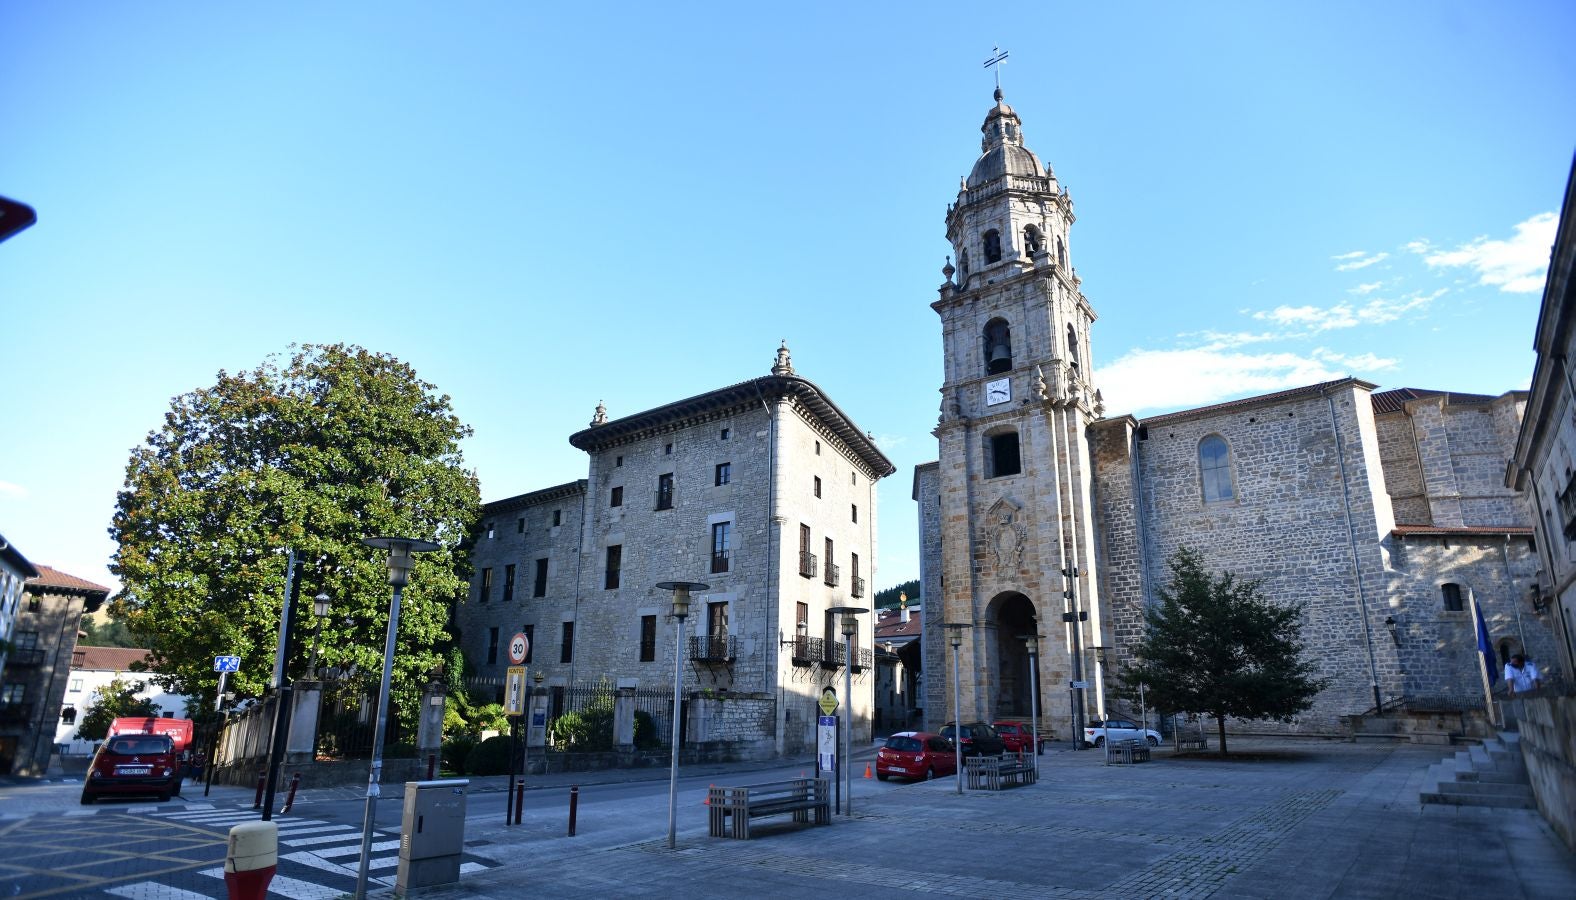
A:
(1012, 615)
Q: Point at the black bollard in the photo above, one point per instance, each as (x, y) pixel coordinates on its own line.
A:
(519, 800)
(574, 806)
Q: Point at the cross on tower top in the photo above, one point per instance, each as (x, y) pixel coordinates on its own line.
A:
(998, 57)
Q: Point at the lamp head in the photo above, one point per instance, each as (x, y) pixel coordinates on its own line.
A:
(681, 594)
(401, 558)
(1031, 643)
(320, 605)
(850, 618)
(955, 633)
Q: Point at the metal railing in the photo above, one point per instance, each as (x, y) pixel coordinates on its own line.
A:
(834, 655)
(807, 650)
(719, 561)
(807, 565)
(712, 647)
(859, 586)
(665, 499)
(864, 659)
(25, 656)
(832, 574)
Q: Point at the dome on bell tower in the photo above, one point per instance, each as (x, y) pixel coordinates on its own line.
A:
(1002, 149)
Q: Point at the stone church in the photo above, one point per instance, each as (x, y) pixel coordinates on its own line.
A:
(1385, 512)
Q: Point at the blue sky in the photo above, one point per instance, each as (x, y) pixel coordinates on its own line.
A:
(540, 206)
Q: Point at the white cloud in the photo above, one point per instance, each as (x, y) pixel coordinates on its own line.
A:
(12, 490)
(1419, 246)
(1314, 319)
(1368, 288)
(890, 441)
(1517, 266)
(1163, 380)
(1359, 260)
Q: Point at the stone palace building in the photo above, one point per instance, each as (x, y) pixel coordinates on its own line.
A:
(764, 490)
(1385, 512)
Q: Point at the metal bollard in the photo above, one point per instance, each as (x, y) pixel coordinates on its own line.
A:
(574, 806)
(432, 765)
(519, 801)
(295, 782)
(257, 802)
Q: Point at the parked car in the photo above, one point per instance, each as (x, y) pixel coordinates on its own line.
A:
(917, 755)
(1018, 737)
(134, 764)
(976, 738)
(1096, 732)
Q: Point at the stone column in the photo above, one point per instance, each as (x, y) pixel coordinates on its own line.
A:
(429, 728)
(624, 719)
(306, 700)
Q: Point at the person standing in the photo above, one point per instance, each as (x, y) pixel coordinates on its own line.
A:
(1521, 675)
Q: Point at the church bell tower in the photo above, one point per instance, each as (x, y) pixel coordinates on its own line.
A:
(1017, 528)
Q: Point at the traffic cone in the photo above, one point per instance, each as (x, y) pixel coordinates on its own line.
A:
(867, 770)
(707, 801)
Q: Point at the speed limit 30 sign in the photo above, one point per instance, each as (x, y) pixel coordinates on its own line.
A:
(519, 646)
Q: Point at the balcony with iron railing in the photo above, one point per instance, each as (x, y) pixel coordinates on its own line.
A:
(859, 586)
(808, 650)
(807, 565)
(835, 655)
(712, 648)
(719, 561)
(25, 656)
(833, 573)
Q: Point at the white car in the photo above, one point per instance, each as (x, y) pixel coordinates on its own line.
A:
(1095, 732)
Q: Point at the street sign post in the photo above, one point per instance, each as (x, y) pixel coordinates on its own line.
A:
(514, 691)
(519, 647)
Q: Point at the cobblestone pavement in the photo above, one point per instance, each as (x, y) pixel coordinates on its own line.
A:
(1290, 819)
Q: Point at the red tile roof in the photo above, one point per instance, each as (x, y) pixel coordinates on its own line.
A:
(113, 659)
(889, 624)
(54, 578)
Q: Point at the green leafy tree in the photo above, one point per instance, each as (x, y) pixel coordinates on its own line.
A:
(113, 633)
(1217, 646)
(110, 702)
(315, 453)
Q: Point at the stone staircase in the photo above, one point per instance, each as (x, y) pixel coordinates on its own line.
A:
(1488, 774)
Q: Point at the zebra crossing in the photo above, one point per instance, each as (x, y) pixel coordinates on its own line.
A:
(318, 860)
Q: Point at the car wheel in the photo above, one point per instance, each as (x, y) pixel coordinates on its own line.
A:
(930, 774)
(87, 798)
(164, 796)
(1154, 741)
(882, 776)
(1099, 742)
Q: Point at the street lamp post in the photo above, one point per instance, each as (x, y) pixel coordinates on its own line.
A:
(1105, 714)
(399, 565)
(681, 602)
(1031, 642)
(320, 605)
(850, 627)
(955, 638)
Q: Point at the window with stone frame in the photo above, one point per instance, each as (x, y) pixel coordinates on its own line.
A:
(1002, 457)
(616, 497)
(68, 716)
(817, 486)
(484, 590)
(539, 582)
(615, 565)
(1072, 345)
(665, 491)
(648, 638)
(997, 338)
(1214, 470)
(1061, 253)
(990, 244)
(566, 649)
(721, 546)
(724, 474)
(1033, 243)
(1450, 595)
(492, 646)
(508, 582)
(12, 693)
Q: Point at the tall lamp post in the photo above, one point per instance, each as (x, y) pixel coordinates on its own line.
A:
(850, 627)
(1105, 715)
(1031, 642)
(399, 564)
(320, 605)
(681, 602)
(955, 638)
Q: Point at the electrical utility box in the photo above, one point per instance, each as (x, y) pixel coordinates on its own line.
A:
(432, 834)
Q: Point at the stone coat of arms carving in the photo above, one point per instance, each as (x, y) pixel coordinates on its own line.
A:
(1006, 534)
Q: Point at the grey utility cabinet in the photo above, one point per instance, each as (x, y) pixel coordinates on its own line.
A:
(432, 834)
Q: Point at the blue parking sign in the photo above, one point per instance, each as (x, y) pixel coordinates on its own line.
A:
(227, 664)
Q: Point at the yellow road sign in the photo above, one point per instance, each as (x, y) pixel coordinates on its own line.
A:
(828, 702)
(514, 691)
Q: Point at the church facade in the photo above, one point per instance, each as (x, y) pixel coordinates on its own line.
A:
(1384, 512)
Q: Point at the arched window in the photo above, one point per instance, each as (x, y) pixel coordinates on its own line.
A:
(1061, 253)
(1072, 345)
(992, 246)
(1451, 595)
(998, 347)
(1001, 454)
(1214, 469)
(963, 264)
(1032, 242)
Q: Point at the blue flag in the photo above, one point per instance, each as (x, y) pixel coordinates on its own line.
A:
(1486, 647)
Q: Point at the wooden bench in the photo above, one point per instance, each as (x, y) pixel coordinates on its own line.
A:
(732, 808)
(992, 773)
(1129, 752)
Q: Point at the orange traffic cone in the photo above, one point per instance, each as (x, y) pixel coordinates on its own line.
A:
(707, 801)
(867, 770)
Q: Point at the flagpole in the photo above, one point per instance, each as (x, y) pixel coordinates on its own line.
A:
(1486, 659)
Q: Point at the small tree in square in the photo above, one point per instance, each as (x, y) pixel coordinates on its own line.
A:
(114, 700)
(1216, 646)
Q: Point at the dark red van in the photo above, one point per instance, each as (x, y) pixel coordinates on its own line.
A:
(134, 764)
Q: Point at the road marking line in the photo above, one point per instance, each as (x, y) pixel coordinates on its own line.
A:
(468, 868)
(383, 862)
(307, 858)
(355, 849)
(152, 890)
(293, 888)
(287, 835)
(324, 838)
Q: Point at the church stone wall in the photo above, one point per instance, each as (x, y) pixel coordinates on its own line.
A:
(1117, 527)
(1403, 471)
(934, 663)
(1287, 524)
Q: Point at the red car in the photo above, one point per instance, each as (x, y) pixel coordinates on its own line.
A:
(919, 755)
(134, 764)
(1019, 737)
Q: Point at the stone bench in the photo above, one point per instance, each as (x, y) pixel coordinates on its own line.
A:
(992, 773)
(732, 808)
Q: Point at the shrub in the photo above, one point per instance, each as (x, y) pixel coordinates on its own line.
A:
(646, 737)
(400, 750)
(456, 750)
(490, 757)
